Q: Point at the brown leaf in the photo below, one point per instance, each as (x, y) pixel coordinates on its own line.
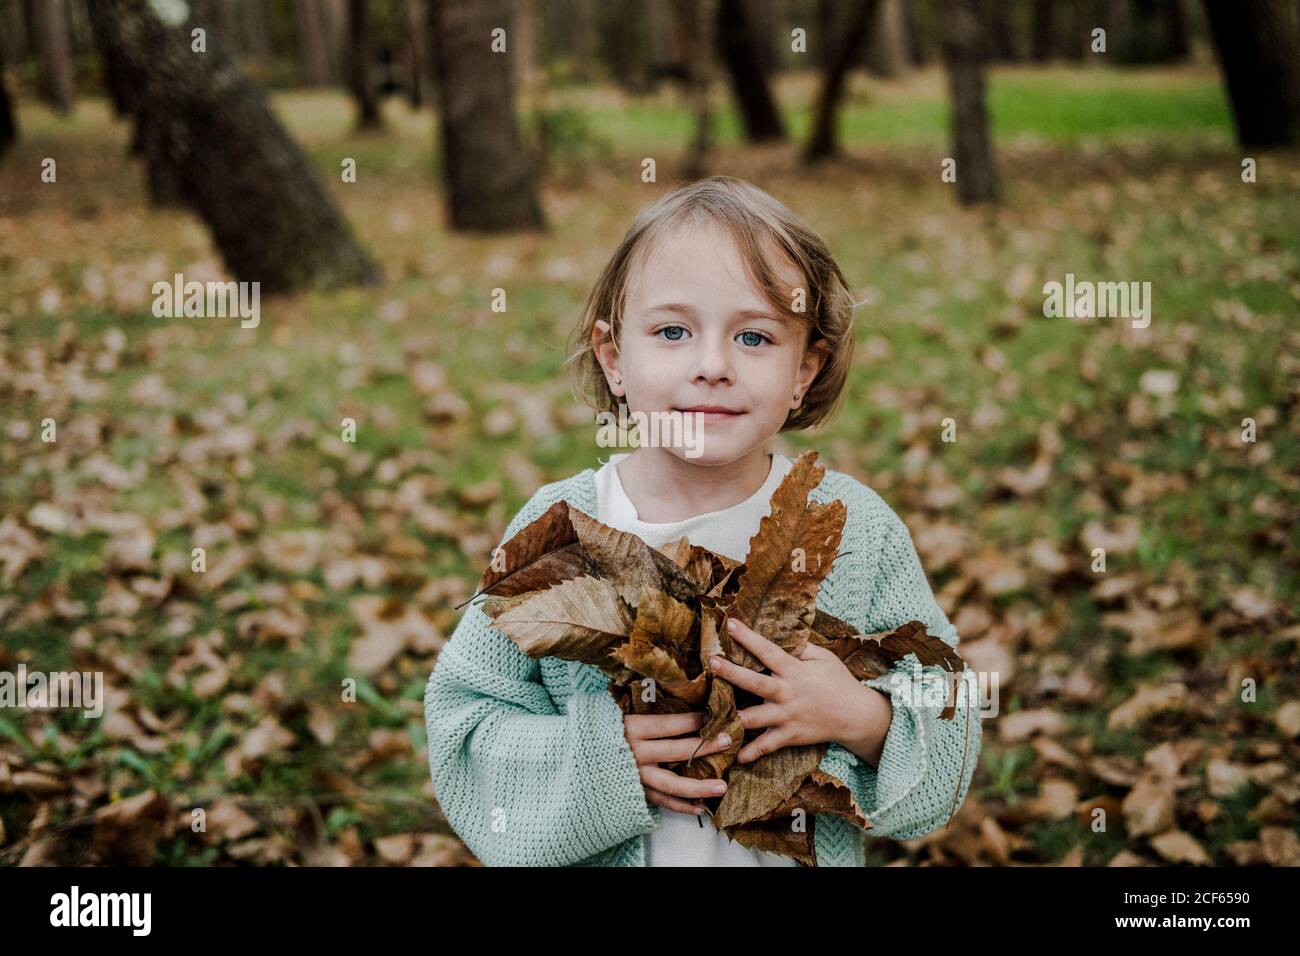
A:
(756, 789)
(789, 556)
(580, 619)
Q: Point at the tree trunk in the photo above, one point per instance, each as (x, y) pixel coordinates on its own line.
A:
(584, 39)
(526, 49)
(313, 36)
(888, 45)
(254, 27)
(823, 143)
(491, 180)
(8, 115)
(417, 52)
(696, 21)
(768, 33)
(1042, 40)
(32, 32)
(162, 178)
(1000, 38)
(739, 50)
(964, 55)
(360, 77)
(1258, 52)
(269, 215)
(55, 39)
(1175, 23)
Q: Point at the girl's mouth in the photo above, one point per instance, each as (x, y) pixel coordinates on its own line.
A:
(712, 411)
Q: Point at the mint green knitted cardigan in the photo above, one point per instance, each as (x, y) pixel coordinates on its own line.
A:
(529, 759)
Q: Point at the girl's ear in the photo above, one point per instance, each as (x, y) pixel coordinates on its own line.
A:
(606, 351)
(814, 358)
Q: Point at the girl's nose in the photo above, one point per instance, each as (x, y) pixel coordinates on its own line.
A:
(713, 361)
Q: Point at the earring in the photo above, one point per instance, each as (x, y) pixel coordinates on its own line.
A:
(618, 381)
(796, 396)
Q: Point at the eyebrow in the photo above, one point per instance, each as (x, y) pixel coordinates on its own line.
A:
(683, 309)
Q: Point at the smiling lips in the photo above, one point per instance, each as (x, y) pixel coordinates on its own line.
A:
(716, 410)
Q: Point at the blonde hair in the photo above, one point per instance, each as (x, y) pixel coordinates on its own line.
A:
(755, 221)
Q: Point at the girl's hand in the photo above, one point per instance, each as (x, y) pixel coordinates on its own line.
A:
(809, 699)
(648, 734)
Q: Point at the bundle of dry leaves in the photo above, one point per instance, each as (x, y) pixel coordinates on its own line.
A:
(570, 587)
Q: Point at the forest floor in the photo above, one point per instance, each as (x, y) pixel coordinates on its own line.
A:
(1161, 690)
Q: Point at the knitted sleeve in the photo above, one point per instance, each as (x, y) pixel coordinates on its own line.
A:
(520, 782)
(925, 759)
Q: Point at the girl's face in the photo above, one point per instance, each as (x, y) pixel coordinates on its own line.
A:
(698, 334)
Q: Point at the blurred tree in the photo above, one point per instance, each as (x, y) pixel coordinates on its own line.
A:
(8, 116)
(417, 52)
(54, 36)
(313, 34)
(1260, 57)
(361, 78)
(843, 28)
(889, 46)
(1042, 38)
(999, 33)
(527, 50)
(696, 22)
(162, 179)
(739, 48)
(269, 214)
(219, 18)
(490, 176)
(965, 52)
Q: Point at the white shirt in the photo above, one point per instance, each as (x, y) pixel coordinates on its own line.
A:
(680, 840)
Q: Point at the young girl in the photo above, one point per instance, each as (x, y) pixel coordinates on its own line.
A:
(720, 304)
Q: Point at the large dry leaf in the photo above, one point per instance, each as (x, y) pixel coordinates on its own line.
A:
(579, 620)
(628, 562)
(789, 556)
(756, 789)
(544, 552)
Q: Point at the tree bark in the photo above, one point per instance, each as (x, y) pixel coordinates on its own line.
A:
(313, 36)
(1000, 39)
(417, 52)
(490, 177)
(162, 179)
(1259, 55)
(824, 141)
(8, 115)
(526, 54)
(584, 36)
(888, 47)
(965, 52)
(360, 77)
(696, 21)
(1042, 39)
(739, 49)
(1175, 24)
(55, 39)
(269, 214)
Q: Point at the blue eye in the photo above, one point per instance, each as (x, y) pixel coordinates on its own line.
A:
(759, 335)
(672, 328)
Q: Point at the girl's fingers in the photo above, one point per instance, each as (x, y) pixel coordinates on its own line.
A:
(672, 803)
(677, 785)
(760, 684)
(655, 726)
(682, 748)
